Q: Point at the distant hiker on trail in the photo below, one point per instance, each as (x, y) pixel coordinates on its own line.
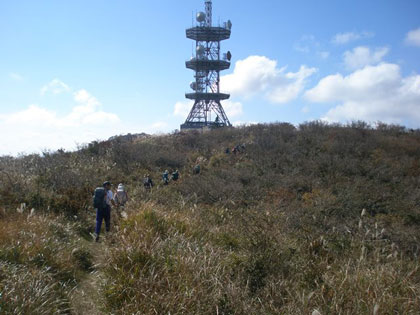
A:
(165, 177)
(238, 148)
(121, 196)
(147, 182)
(102, 200)
(197, 169)
(175, 176)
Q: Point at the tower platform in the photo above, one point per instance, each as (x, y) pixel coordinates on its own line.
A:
(208, 34)
(198, 125)
(207, 96)
(207, 65)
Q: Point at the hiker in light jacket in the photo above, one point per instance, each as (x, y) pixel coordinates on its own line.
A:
(121, 196)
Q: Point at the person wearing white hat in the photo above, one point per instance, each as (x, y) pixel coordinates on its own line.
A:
(121, 196)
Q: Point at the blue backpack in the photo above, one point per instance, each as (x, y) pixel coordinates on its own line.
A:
(99, 201)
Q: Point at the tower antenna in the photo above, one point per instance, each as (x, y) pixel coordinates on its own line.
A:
(209, 8)
(207, 64)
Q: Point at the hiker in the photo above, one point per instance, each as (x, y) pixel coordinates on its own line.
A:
(147, 182)
(165, 177)
(175, 176)
(197, 169)
(227, 151)
(121, 196)
(102, 201)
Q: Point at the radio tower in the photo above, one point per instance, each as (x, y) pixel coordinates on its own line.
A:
(207, 111)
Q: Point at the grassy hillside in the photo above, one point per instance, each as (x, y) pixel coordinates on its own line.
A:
(319, 217)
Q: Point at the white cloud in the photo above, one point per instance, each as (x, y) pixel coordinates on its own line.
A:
(36, 128)
(88, 111)
(159, 125)
(250, 76)
(182, 109)
(283, 93)
(260, 75)
(362, 56)
(305, 109)
(15, 76)
(83, 96)
(374, 93)
(324, 54)
(306, 44)
(232, 109)
(309, 44)
(413, 37)
(239, 123)
(56, 86)
(344, 38)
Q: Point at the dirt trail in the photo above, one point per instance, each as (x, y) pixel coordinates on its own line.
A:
(86, 297)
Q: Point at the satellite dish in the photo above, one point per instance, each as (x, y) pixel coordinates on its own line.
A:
(228, 56)
(193, 85)
(201, 17)
(229, 24)
(200, 50)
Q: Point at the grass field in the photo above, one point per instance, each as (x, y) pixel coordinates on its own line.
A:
(315, 218)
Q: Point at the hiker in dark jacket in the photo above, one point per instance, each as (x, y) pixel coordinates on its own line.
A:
(103, 209)
(165, 177)
(147, 182)
(175, 176)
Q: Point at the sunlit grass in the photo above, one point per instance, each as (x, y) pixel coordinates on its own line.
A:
(320, 219)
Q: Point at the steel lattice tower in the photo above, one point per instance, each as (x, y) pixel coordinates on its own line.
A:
(207, 64)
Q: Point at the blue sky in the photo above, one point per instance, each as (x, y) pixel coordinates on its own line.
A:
(75, 71)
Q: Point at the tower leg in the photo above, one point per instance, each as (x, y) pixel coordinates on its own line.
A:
(200, 116)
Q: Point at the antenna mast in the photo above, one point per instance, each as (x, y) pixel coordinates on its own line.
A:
(209, 8)
(207, 65)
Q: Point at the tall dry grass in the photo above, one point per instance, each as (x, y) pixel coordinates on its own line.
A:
(41, 261)
(182, 261)
(276, 229)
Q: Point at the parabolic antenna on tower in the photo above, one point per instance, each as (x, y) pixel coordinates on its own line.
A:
(201, 17)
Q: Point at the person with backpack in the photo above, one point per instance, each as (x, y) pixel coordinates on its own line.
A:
(102, 200)
(165, 178)
(175, 176)
(147, 183)
(121, 196)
